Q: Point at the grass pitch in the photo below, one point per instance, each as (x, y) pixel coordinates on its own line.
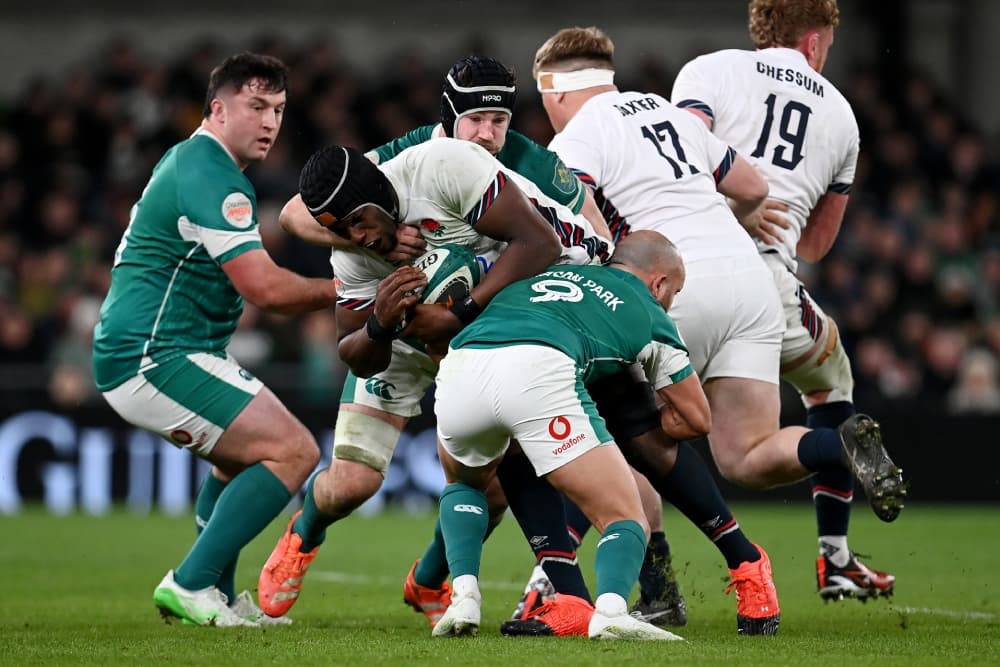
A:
(78, 590)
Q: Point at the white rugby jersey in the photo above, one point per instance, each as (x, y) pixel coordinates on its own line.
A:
(444, 186)
(777, 111)
(651, 167)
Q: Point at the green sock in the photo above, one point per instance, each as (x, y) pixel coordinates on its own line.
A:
(432, 568)
(312, 524)
(244, 508)
(208, 495)
(619, 557)
(464, 518)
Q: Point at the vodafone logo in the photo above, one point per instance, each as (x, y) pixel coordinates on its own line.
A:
(181, 437)
(559, 428)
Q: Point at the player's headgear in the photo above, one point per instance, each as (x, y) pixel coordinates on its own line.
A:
(476, 83)
(339, 180)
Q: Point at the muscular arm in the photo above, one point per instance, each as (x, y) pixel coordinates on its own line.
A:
(745, 188)
(685, 413)
(532, 244)
(266, 285)
(296, 219)
(822, 227)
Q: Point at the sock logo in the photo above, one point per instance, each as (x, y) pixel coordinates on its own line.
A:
(472, 509)
(538, 540)
(608, 538)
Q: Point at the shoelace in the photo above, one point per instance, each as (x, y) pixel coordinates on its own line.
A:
(290, 565)
(751, 585)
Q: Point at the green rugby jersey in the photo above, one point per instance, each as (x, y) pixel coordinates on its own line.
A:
(601, 317)
(169, 295)
(519, 153)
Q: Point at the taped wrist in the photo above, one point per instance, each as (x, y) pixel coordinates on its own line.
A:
(376, 331)
(466, 310)
(627, 405)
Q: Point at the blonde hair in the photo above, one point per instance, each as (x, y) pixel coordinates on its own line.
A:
(576, 48)
(784, 22)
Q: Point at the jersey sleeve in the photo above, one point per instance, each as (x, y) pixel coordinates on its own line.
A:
(581, 154)
(391, 149)
(357, 275)
(543, 168)
(465, 179)
(665, 359)
(219, 210)
(696, 88)
(844, 178)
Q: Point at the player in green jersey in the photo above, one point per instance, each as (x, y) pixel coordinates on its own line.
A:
(191, 255)
(575, 325)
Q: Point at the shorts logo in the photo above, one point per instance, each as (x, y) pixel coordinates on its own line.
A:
(181, 437)
(559, 428)
(237, 210)
(245, 374)
(471, 509)
(379, 387)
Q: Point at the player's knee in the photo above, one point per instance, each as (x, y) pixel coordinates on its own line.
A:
(353, 483)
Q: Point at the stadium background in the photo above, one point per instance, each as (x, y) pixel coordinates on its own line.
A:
(93, 94)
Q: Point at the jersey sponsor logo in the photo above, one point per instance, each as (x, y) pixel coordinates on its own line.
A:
(237, 210)
(471, 509)
(379, 387)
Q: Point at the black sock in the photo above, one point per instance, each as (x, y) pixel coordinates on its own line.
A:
(652, 581)
(832, 490)
(538, 508)
(690, 487)
(577, 522)
(820, 449)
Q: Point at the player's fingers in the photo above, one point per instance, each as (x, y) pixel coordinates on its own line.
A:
(775, 205)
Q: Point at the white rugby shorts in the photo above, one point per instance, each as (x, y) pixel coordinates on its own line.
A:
(730, 317)
(812, 356)
(188, 400)
(532, 393)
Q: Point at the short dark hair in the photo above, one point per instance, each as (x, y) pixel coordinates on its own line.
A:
(238, 70)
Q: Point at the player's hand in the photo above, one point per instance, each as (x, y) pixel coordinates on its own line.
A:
(409, 244)
(766, 222)
(397, 292)
(432, 323)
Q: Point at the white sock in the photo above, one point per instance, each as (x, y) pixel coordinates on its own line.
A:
(835, 548)
(611, 604)
(466, 584)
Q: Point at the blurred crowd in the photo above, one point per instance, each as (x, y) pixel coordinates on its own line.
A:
(913, 280)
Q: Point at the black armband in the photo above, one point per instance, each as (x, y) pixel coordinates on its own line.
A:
(466, 310)
(376, 331)
(627, 405)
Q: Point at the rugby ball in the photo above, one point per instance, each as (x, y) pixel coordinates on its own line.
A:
(452, 271)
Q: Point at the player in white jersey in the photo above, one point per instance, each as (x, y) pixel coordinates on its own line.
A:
(660, 171)
(191, 254)
(454, 192)
(775, 106)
